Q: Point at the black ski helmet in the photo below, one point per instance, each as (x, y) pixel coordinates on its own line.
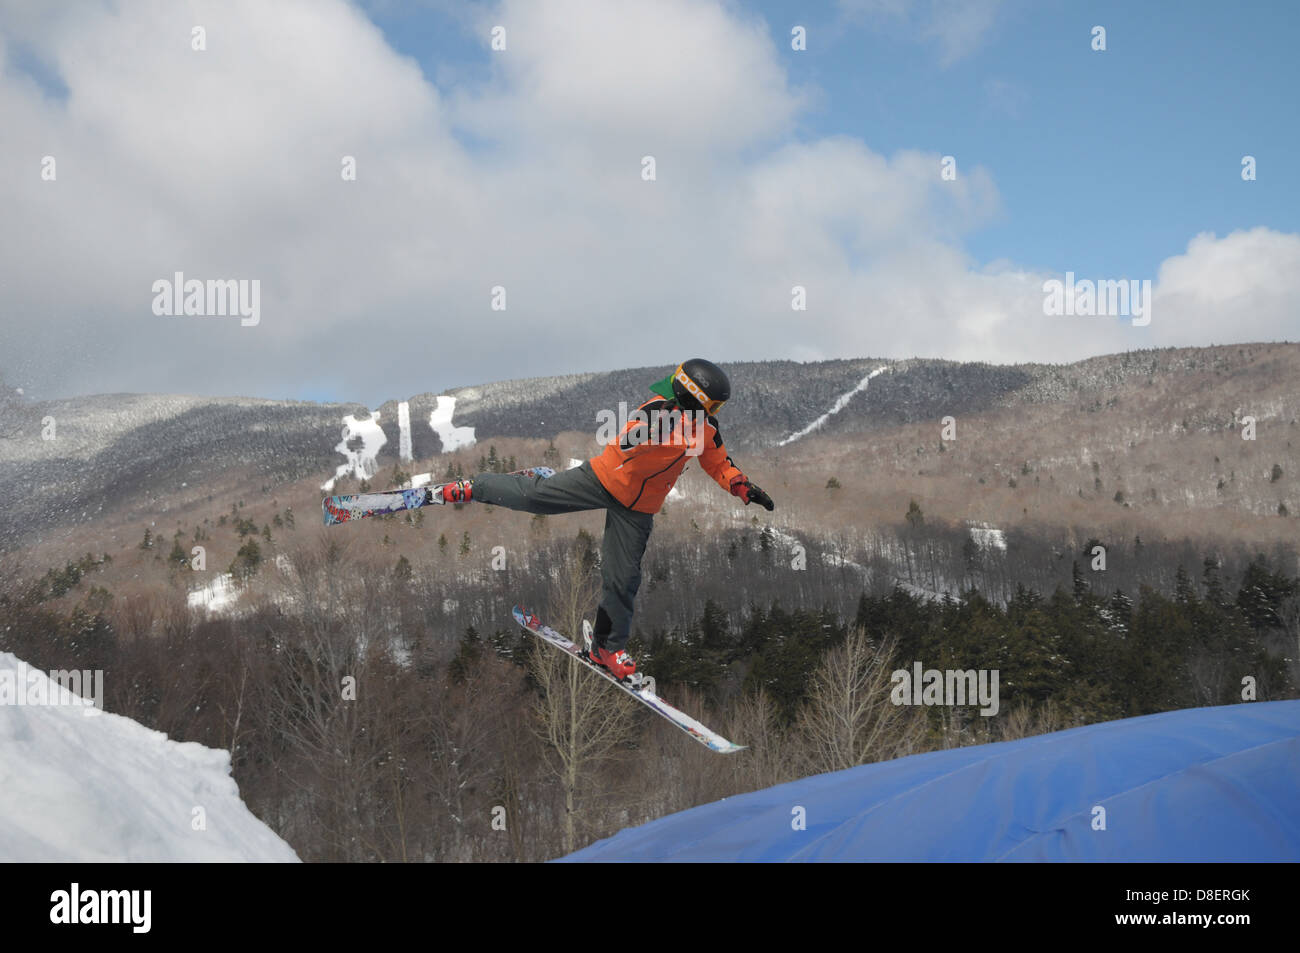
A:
(697, 384)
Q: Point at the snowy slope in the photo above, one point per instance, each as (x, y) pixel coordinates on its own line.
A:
(841, 402)
(77, 784)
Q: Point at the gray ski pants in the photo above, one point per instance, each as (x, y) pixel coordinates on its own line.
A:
(621, 549)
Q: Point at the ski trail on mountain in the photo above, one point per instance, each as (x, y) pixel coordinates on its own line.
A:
(840, 403)
(452, 437)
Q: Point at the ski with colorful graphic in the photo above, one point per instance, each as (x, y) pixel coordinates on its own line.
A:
(642, 691)
(355, 506)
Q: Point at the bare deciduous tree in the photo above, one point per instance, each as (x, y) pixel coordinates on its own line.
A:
(849, 718)
(756, 722)
(468, 728)
(1025, 721)
(581, 719)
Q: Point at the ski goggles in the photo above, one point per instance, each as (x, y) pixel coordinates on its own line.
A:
(665, 389)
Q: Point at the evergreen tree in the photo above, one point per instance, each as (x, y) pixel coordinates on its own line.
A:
(246, 561)
(715, 632)
(1119, 612)
(970, 554)
(1154, 671)
(467, 655)
(1214, 592)
(1033, 666)
(1082, 588)
(1262, 593)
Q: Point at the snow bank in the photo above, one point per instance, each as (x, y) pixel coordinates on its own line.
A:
(217, 596)
(988, 537)
(77, 784)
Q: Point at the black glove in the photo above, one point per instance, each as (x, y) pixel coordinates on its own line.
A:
(756, 495)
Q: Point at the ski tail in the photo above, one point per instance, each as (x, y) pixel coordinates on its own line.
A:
(355, 506)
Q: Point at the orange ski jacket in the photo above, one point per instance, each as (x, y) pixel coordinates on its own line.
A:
(641, 466)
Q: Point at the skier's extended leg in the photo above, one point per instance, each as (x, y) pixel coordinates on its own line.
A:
(567, 492)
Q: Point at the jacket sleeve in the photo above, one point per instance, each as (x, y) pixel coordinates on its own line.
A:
(714, 458)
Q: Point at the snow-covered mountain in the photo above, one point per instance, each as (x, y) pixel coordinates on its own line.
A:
(66, 462)
(79, 784)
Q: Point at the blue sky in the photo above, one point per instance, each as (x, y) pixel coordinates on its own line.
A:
(1146, 136)
(522, 169)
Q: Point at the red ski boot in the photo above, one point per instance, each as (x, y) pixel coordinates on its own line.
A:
(461, 491)
(619, 664)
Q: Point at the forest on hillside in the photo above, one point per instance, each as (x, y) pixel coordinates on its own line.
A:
(398, 714)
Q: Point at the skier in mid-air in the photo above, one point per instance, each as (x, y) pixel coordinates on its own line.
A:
(629, 481)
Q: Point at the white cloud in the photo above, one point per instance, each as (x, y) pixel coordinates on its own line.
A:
(1242, 287)
(226, 164)
(630, 78)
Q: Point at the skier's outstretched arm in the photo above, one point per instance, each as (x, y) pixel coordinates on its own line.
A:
(718, 464)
